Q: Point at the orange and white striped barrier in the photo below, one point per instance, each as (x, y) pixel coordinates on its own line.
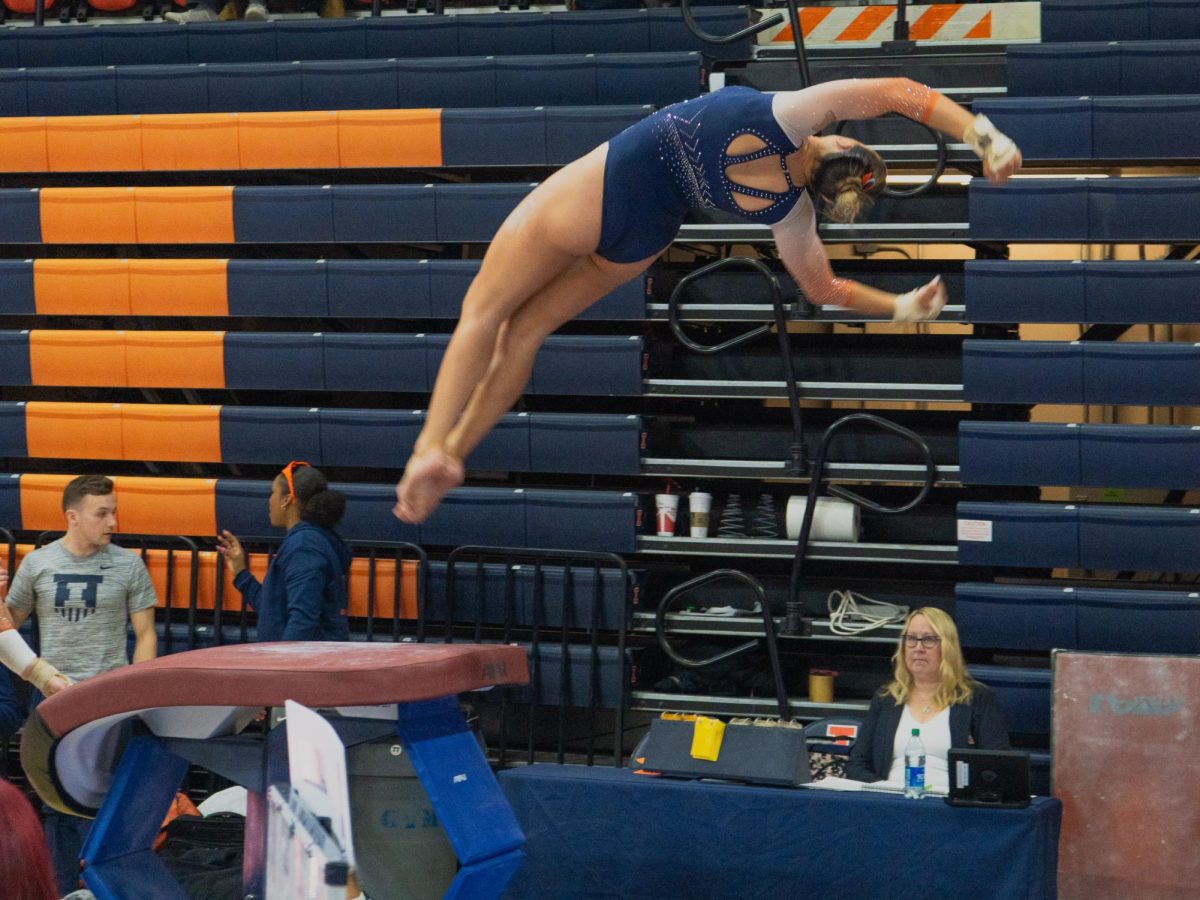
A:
(848, 25)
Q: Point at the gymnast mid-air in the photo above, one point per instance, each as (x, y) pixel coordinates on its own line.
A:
(604, 218)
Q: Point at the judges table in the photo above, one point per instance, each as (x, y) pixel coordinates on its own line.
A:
(603, 832)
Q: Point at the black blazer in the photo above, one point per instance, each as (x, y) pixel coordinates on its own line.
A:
(978, 724)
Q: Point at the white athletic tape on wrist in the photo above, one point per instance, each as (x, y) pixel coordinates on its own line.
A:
(40, 673)
(15, 653)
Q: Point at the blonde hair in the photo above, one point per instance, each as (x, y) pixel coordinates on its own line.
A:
(956, 685)
(849, 201)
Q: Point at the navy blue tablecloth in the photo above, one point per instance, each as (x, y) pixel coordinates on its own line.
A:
(607, 833)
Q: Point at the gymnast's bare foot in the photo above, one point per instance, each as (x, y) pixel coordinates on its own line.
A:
(428, 477)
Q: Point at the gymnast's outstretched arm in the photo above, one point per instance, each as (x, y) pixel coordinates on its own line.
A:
(18, 656)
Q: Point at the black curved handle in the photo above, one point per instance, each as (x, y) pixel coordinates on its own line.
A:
(685, 7)
(938, 167)
(703, 272)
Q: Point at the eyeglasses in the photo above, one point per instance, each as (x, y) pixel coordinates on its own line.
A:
(287, 475)
(928, 641)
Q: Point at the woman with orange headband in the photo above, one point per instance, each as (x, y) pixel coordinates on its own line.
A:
(304, 594)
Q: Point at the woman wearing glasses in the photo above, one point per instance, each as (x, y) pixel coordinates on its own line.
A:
(304, 594)
(932, 691)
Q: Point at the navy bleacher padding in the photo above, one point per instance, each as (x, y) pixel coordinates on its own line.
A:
(599, 444)
(573, 131)
(282, 215)
(1023, 372)
(1005, 291)
(1165, 291)
(14, 99)
(1144, 127)
(281, 361)
(1018, 453)
(1142, 538)
(1051, 209)
(657, 79)
(137, 45)
(1044, 127)
(333, 85)
(471, 583)
(16, 288)
(1015, 617)
(10, 54)
(66, 47)
(437, 83)
(328, 39)
(547, 686)
(83, 91)
(493, 137)
(668, 31)
(12, 442)
(592, 365)
(1157, 374)
(493, 517)
(369, 514)
(1095, 20)
(506, 447)
(448, 283)
(227, 42)
(1144, 209)
(1173, 20)
(618, 31)
(277, 287)
(589, 600)
(563, 80)
(1134, 621)
(254, 87)
(1159, 67)
(1022, 534)
(10, 501)
(1152, 456)
(161, 89)
(368, 437)
(383, 288)
(435, 349)
(271, 435)
(404, 38)
(367, 213)
(242, 507)
(1023, 695)
(511, 34)
(20, 216)
(473, 212)
(628, 301)
(602, 521)
(14, 358)
(1058, 70)
(375, 362)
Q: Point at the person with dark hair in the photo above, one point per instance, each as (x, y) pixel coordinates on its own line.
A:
(602, 219)
(87, 593)
(304, 594)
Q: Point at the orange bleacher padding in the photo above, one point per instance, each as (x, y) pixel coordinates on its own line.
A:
(194, 359)
(88, 216)
(171, 433)
(41, 502)
(185, 215)
(167, 505)
(178, 287)
(390, 137)
(205, 141)
(23, 144)
(73, 430)
(94, 143)
(181, 566)
(385, 585)
(77, 358)
(80, 287)
(288, 140)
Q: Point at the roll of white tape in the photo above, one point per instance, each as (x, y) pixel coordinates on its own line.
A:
(834, 520)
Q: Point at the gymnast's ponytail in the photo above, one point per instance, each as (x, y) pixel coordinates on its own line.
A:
(846, 183)
(318, 504)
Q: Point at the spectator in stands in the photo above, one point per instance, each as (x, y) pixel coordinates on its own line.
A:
(930, 690)
(210, 11)
(85, 591)
(304, 594)
(602, 219)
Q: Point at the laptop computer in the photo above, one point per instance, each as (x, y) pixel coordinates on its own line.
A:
(994, 778)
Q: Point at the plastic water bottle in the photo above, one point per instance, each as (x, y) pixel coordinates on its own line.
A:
(914, 767)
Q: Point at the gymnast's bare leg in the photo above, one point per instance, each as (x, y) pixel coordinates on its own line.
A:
(540, 271)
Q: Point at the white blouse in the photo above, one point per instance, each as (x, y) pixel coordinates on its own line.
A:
(935, 734)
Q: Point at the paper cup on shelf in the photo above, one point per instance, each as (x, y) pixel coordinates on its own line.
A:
(667, 511)
(834, 520)
(820, 685)
(699, 511)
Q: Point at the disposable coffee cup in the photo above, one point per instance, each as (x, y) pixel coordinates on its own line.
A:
(699, 509)
(667, 511)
